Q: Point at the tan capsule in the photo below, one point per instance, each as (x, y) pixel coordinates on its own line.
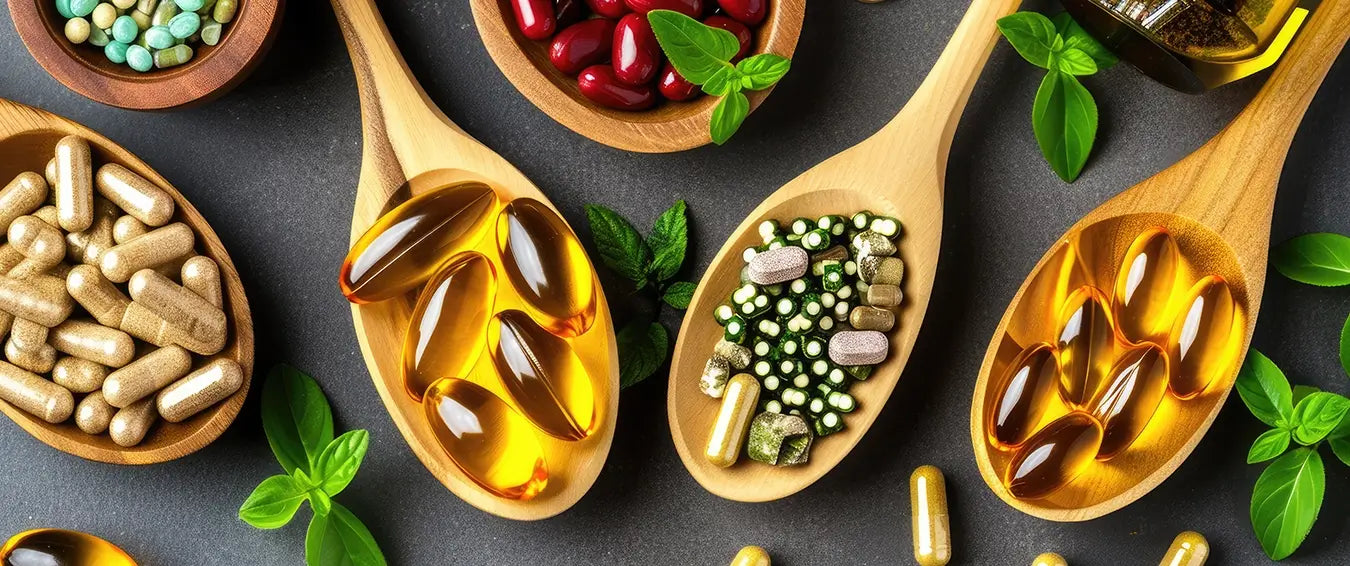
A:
(39, 360)
(27, 335)
(60, 271)
(74, 184)
(155, 248)
(143, 377)
(207, 386)
(49, 173)
(1049, 559)
(739, 400)
(180, 307)
(201, 275)
(41, 398)
(41, 245)
(9, 258)
(134, 194)
(94, 413)
(871, 318)
(751, 556)
(48, 215)
(6, 323)
(34, 299)
(128, 427)
(1188, 549)
(87, 285)
(928, 512)
(90, 245)
(21, 196)
(128, 227)
(884, 295)
(94, 342)
(144, 324)
(79, 375)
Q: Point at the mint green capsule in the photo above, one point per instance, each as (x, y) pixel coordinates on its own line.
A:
(63, 8)
(211, 32)
(98, 37)
(116, 52)
(139, 58)
(159, 37)
(224, 11)
(125, 30)
(189, 5)
(82, 8)
(173, 56)
(185, 24)
(163, 13)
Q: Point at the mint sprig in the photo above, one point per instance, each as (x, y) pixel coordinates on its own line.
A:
(702, 54)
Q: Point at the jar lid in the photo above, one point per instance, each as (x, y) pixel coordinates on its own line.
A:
(1136, 48)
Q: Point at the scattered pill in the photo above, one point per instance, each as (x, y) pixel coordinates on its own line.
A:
(39, 397)
(224, 11)
(200, 389)
(739, 401)
(146, 375)
(129, 426)
(1049, 559)
(1188, 549)
(778, 265)
(929, 521)
(751, 556)
(858, 347)
(871, 318)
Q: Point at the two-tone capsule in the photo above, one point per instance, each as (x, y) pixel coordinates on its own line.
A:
(929, 518)
(739, 400)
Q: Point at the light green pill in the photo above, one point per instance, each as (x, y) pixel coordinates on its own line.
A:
(185, 24)
(224, 11)
(189, 5)
(139, 58)
(125, 30)
(211, 32)
(116, 52)
(82, 8)
(63, 8)
(174, 56)
(142, 19)
(165, 12)
(159, 37)
(98, 37)
(206, 7)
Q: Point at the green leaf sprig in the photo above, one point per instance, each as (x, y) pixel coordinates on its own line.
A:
(702, 54)
(299, 427)
(651, 265)
(1321, 259)
(1064, 115)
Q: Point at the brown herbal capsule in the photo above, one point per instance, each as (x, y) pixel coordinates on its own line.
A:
(87, 285)
(134, 194)
(201, 275)
(36, 300)
(207, 386)
(74, 184)
(127, 228)
(153, 249)
(41, 398)
(79, 375)
(49, 173)
(871, 318)
(42, 246)
(9, 257)
(884, 295)
(90, 245)
(21, 196)
(38, 360)
(6, 322)
(180, 307)
(149, 374)
(94, 413)
(129, 425)
(94, 342)
(48, 214)
(27, 335)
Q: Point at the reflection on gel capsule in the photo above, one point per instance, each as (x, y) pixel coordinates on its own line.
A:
(1054, 456)
(1144, 285)
(487, 439)
(1087, 341)
(445, 334)
(543, 375)
(547, 266)
(1027, 390)
(1138, 383)
(1202, 342)
(59, 547)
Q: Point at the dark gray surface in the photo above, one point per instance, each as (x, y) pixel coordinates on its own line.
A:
(274, 165)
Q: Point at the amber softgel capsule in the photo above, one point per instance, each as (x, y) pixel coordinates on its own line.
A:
(751, 556)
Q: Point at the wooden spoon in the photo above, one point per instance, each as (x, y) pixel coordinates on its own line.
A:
(411, 147)
(28, 139)
(899, 171)
(670, 126)
(1217, 204)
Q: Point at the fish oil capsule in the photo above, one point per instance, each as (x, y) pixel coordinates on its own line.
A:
(134, 194)
(751, 556)
(180, 307)
(38, 360)
(1049, 559)
(488, 440)
(1203, 344)
(90, 245)
(128, 227)
(1028, 388)
(40, 547)
(35, 299)
(129, 425)
(87, 285)
(93, 414)
(207, 386)
(1188, 549)
(1136, 387)
(74, 184)
(27, 335)
(547, 266)
(446, 332)
(155, 248)
(201, 275)
(79, 375)
(543, 375)
(24, 194)
(39, 397)
(1144, 285)
(930, 524)
(1054, 456)
(139, 379)
(739, 400)
(94, 342)
(405, 247)
(1087, 342)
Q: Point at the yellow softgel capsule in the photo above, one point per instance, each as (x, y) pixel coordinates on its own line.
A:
(59, 546)
(1203, 344)
(547, 266)
(751, 556)
(544, 376)
(488, 440)
(1054, 456)
(1137, 386)
(1188, 549)
(1144, 285)
(1049, 559)
(1087, 339)
(929, 521)
(1026, 391)
(446, 332)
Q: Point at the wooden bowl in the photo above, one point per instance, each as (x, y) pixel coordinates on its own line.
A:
(670, 126)
(28, 138)
(213, 70)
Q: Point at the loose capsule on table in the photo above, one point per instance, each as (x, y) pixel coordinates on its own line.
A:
(200, 389)
(143, 377)
(74, 184)
(39, 397)
(1188, 549)
(858, 347)
(739, 401)
(154, 248)
(930, 523)
(21, 196)
(93, 414)
(751, 556)
(94, 342)
(129, 426)
(79, 375)
(1049, 559)
(778, 266)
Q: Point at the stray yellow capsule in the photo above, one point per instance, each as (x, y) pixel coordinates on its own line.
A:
(733, 420)
(74, 184)
(1050, 559)
(1188, 549)
(751, 555)
(928, 509)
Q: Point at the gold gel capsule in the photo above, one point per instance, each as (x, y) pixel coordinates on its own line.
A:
(1202, 347)
(1028, 388)
(79, 375)
(548, 267)
(127, 228)
(739, 400)
(155, 248)
(1144, 285)
(487, 439)
(129, 425)
(87, 285)
(446, 332)
(182, 308)
(39, 360)
(207, 386)
(1054, 456)
(74, 184)
(134, 194)
(21, 196)
(57, 547)
(35, 299)
(406, 245)
(201, 275)
(1049, 559)
(1137, 385)
(1086, 344)
(94, 414)
(1188, 549)
(543, 375)
(141, 378)
(94, 342)
(39, 397)
(930, 524)
(751, 556)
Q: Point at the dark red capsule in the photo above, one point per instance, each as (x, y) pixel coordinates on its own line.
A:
(568, 12)
(535, 18)
(636, 54)
(748, 12)
(675, 87)
(737, 29)
(582, 45)
(613, 9)
(599, 84)
(691, 8)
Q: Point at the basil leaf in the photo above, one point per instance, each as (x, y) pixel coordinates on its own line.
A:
(320, 502)
(1301, 391)
(1321, 259)
(1270, 444)
(296, 417)
(1265, 390)
(1078, 38)
(727, 116)
(723, 82)
(340, 539)
(1286, 500)
(1064, 118)
(1345, 346)
(669, 239)
(762, 71)
(621, 247)
(679, 294)
(1341, 448)
(273, 502)
(1031, 34)
(1074, 62)
(340, 460)
(643, 347)
(1317, 415)
(696, 50)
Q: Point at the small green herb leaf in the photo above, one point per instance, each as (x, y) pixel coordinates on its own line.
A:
(669, 239)
(643, 347)
(725, 81)
(1321, 259)
(320, 501)
(1031, 34)
(1078, 38)
(340, 539)
(1301, 391)
(1341, 448)
(1270, 444)
(338, 463)
(1074, 62)
(621, 247)
(1317, 415)
(679, 294)
(762, 71)
(273, 502)
(1265, 390)
(1345, 346)
(727, 116)
(1064, 118)
(696, 50)
(1286, 500)
(296, 417)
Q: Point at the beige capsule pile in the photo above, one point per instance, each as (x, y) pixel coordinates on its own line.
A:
(67, 317)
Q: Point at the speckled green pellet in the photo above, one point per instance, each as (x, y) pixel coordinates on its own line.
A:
(189, 5)
(98, 37)
(224, 11)
(63, 8)
(116, 52)
(159, 37)
(185, 24)
(124, 29)
(139, 58)
(176, 55)
(82, 8)
(211, 32)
